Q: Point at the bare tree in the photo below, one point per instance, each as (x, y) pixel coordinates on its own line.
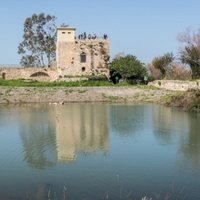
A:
(190, 53)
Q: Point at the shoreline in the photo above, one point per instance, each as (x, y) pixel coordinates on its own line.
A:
(62, 95)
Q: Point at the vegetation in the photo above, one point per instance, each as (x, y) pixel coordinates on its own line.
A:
(39, 41)
(164, 63)
(128, 67)
(190, 53)
(31, 83)
(189, 100)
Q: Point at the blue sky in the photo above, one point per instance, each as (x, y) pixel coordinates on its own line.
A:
(144, 28)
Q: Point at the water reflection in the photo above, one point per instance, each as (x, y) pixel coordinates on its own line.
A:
(127, 119)
(38, 137)
(162, 149)
(80, 128)
(167, 123)
(173, 126)
(190, 145)
(58, 133)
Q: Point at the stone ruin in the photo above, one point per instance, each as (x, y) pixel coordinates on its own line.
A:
(76, 58)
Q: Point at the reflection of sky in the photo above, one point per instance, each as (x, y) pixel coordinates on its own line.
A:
(127, 119)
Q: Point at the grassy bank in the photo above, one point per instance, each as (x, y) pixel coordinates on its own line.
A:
(188, 101)
(30, 83)
(15, 91)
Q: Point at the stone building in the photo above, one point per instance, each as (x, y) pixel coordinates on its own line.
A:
(81, 56)
(76, 58)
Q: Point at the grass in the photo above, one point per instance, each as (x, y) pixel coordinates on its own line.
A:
(113, 98)
(194, 106)
(171, 98)
(97, 83)
(189, 101)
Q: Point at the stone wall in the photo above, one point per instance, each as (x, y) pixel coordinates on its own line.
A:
(69, 61)
(29, 73)
(176, 84)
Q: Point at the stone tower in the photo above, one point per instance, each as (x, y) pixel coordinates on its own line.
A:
(84, 55)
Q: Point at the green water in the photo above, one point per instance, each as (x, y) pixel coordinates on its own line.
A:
(98, 151)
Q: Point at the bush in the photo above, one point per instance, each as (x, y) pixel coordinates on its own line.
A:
(128, 67)
(98, 78)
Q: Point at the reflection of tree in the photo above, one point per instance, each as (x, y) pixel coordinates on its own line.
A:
(167, 122)
(38, 138)
(171, 125)
(127, 119)
(191, 146)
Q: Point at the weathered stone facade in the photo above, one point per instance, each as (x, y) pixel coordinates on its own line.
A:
(81, 57)
(75, 60)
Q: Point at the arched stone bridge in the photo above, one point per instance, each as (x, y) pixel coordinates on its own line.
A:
(29, 73)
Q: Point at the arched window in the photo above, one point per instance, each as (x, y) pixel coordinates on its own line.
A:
(83, 57)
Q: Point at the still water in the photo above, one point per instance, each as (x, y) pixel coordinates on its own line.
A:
(98, 151)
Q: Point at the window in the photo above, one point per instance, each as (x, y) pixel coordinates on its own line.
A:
(83, 69)
(69, 32)
(83, 57)
(3, 75)
(63, 32)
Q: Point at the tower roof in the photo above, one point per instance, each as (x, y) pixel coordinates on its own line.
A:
(66, 28)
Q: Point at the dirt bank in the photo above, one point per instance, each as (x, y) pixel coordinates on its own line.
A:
(81, 94)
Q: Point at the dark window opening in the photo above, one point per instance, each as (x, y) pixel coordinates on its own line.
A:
(83, 57)
(63, 32)
(83, 69)
(69, 32)
(39, 74)
(4, 75)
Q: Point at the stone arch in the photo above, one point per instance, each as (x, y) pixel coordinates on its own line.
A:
(39, 74)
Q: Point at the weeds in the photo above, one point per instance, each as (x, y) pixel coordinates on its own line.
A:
(194, 106)
(171, 98)
(69, 91)
(112, 98)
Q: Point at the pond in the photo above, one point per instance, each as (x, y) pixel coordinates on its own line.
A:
(98, 151)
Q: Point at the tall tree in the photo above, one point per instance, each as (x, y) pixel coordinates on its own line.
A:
(163, 63)
(190, 53)
(39, 41)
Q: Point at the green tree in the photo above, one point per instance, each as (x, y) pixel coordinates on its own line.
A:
(39, 41)
(128, 67)
(190, 53)
(164, 63)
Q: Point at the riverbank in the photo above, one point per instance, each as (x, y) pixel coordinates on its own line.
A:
(61, 95)
(186, 100)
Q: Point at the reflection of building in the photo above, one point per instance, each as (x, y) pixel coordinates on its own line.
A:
(82, 128)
